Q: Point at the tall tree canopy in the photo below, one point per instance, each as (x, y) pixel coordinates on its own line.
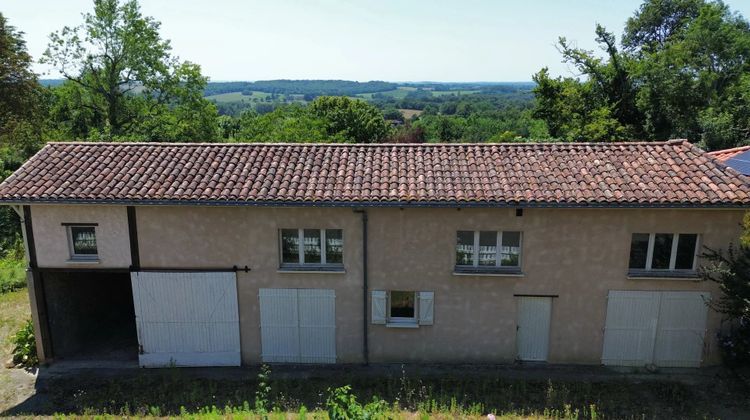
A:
(331, 119)
(21, 97)
(121, 72)
(355, 120)
(682, 70)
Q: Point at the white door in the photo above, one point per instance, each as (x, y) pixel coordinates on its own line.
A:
(630, 328)
(681, 329)
(298, 325)
(186, 319)
(663, 328)
(533, 327)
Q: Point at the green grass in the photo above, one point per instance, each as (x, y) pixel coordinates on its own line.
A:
(175, 391)
(230, 97)
(398, 93)
(12, 275)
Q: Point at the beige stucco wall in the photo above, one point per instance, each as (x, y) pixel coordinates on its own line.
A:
(577, 254)
(221, 237)
(112, 240)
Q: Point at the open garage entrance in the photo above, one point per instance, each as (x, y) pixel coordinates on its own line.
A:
(90, 315)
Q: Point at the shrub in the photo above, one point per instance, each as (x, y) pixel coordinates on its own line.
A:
(24, 346)
(342, 405)
(735, 344)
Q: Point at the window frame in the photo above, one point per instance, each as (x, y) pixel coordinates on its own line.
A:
(402, 320)
(71, 246)
(301, 250)
(672, 255)
(498, 252)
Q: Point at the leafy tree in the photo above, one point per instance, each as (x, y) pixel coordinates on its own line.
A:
(393, 114)
(22, 111)
(126, 77)
(355, 120)
(21, 96)
(682, 72)
(730, 269)
(289, 123)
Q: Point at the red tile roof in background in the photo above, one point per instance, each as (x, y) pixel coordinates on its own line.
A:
(726, 154)
(543, 174)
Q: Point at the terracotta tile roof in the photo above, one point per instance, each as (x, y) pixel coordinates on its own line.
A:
(542, 174)
(726, 154)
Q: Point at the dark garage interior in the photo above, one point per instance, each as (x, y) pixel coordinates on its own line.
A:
(91, 315)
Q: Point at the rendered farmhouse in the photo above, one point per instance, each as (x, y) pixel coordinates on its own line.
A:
(229, 254)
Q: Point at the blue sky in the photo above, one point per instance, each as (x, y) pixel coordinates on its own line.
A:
(394, 40)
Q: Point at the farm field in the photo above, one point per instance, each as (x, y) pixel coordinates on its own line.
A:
(409, 113)
(239, 97)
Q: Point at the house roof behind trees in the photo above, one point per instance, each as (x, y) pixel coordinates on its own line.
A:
(726, 154)
(637, 174)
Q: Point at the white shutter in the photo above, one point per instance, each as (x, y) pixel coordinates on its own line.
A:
(426, 307)
(378, 306)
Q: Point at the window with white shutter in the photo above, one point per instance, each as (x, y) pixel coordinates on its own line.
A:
(403, 309)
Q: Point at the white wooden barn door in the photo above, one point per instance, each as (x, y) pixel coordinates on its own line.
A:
(667, 329)
(681, 329)
(298, 325)
(533, 327)
(630, 328)
(186, 319)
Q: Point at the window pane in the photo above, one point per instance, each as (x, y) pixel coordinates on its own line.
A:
(510, 249)
(312, 246)
(289, 246)
(84, 240)
(686, 251)
(488, 248)
(402, 304)
(638, 250)
(334, 246)
(465, 247)
(662, 251)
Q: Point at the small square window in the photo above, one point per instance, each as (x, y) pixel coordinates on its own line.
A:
(82, 241)
(402, 306)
